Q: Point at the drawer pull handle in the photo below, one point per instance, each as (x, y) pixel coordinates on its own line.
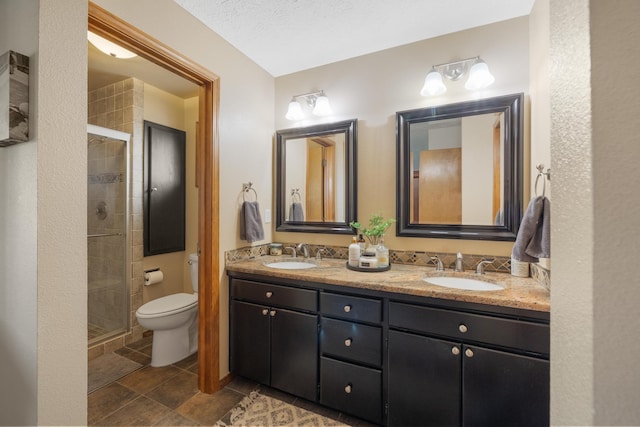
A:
(269, 294)
(462, 328)
(347, 389)
(468, 352)
(347, 308)
(455, 351)
(265, 311)
(348, 342)
(272, 313)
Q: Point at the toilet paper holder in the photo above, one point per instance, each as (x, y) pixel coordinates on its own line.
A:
(152, 276)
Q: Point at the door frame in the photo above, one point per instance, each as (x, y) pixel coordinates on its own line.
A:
(109, 26)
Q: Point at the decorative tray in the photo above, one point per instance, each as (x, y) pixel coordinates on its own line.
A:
(369, 270)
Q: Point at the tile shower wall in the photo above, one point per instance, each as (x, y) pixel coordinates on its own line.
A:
(120, 106)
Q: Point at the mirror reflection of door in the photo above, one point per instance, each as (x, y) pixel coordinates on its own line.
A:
(457, 171)
(321, 155)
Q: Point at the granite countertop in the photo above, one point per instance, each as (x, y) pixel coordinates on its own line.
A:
(522, 293)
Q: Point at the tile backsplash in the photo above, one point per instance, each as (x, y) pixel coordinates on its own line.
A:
(501, 264)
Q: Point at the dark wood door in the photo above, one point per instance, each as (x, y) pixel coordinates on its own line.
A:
(424, 381)
(504, 389)
(164, 196)
(250, 341)
(294, 352)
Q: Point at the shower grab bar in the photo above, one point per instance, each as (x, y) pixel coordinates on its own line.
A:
(104, 235)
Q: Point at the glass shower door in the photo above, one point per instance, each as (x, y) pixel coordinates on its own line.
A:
(107, 242)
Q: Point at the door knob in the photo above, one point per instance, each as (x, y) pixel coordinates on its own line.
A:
(347, 308)
(347, 342)
(272, 313)
(269, 294)
(265, 311)
(347, 389)
(468, 352)
(455, 351)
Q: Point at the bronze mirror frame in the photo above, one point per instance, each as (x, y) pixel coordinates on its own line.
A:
(512, 107)
(350, 129)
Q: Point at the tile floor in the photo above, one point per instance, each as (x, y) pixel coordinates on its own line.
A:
(169, 396)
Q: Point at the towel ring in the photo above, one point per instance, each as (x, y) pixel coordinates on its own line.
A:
(295, 192)
(246, 188)
(546, 176)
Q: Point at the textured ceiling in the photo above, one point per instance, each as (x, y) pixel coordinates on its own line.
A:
(286, 36)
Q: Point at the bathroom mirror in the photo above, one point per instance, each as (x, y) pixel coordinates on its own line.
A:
(316, 178)
(459, 170)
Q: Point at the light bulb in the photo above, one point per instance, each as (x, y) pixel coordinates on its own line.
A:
(479, 76)
(322, 107)
(108, 47)
(294, 112)
(433, 85)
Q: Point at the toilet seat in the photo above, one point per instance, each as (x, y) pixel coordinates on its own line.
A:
(168, 305)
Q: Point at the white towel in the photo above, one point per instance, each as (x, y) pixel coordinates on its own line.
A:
(251, 222)
(295, 212)
(534, 236)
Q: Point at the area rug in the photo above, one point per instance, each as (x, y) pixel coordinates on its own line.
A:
(258, 410)
(110, 367)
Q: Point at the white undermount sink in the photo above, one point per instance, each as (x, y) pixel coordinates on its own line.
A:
(290, 264)
(464, 283)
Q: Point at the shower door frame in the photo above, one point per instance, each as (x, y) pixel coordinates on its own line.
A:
(126, 138)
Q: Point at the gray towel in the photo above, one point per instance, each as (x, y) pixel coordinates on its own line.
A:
(251, 222)
(295, 212)
(534, 236)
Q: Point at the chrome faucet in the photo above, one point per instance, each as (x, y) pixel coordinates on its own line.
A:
(481, 264)
(293, 251)
(459, 265)
(304, 249)
(438, 262)
(319, 254)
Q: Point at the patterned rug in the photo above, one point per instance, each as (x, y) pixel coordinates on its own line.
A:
(258, 410)
(108, 368)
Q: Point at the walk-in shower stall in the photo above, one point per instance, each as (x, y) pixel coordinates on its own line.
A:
(107, 233)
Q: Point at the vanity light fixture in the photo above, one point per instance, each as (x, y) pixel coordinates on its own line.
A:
(317, 102)
(479, 76)
(109, 48)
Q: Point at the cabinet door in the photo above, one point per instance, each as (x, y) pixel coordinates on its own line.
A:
(250, 341)
(294, 352)
(164, 183)
(504, 389)
(424, 381)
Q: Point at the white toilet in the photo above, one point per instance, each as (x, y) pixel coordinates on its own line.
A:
(174, 322)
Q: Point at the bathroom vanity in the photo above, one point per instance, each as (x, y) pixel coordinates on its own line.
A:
(390, 348)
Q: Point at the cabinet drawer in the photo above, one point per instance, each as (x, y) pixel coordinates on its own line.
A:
(352, 389)
(275, 295)
(352, 341)
(526, 336)
(350, 307)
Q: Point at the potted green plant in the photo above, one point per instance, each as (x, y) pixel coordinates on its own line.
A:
(376, 229)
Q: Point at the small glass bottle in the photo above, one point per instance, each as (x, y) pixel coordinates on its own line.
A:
(382, 254)
(362, 243)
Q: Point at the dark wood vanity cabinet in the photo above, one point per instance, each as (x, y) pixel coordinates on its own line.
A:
(274, 336)
(392, 359)
(351, 355)
(440, 374)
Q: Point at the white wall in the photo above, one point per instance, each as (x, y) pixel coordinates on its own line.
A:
(477, 183)
(18, 236)
(373, 87)
(596, 221)
(62, 219)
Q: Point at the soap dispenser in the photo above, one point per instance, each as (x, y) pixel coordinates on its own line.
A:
(354, 252)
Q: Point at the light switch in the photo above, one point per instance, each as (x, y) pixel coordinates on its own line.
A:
(267, 216)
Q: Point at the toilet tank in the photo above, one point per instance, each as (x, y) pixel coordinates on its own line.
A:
(193, 271)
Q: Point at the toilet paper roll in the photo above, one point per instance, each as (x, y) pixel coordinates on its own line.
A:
(153, 277)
